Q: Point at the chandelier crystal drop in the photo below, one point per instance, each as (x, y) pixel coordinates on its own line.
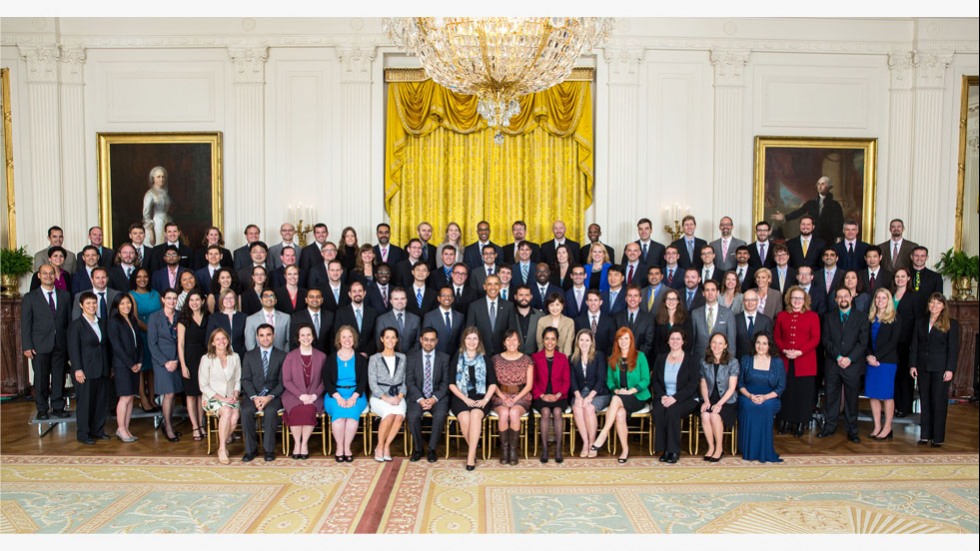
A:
(498, 59)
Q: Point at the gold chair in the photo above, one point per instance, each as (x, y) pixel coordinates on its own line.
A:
(644, 429)
(691, 431)
(732, 433)
(570, 427)
(491, 432)
(366, 430)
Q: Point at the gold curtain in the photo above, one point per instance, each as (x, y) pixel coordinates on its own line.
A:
(442, 165)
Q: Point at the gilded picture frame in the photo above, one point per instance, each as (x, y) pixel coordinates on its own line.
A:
(786, 173)
(192, 193)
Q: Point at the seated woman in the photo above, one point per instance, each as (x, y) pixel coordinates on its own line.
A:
(302, 381)
(473, 383)
(674, 380)
(762, 382)
(588, 386)
(551, 383)
(628, 377)
(515, 375)
(554, 306)
(386, 379)
(220, 379)
(719, 381)
(345, 382)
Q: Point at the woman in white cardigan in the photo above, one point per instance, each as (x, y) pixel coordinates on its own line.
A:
(220, 378)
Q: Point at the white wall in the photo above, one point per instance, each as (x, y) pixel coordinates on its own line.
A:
(301, 105)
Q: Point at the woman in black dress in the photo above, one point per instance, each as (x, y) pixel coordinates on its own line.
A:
(719, 383)
(191, 346)
(473, 382)
(674, 379)
(127, 360)
(671, 313)
(348, 250)
(905, 307)
(935, 350)
(228, 317)
(252, 290)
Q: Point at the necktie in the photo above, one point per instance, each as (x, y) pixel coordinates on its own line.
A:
(384, 295)
(336, 295)
(542, 290)
(724, 250)
(894, 254)
(578, 298)
(918, 279)
(706, 275)
(629, 275)
(449, 273)
(54, 309)
(459, 293)
(384, 254)
(871, 282)
(646, 248)
(427, 377)
(173, 278)
(850, 249)
(690, 298)
(503, 293)
(493, 314)
(449, 322)
(316, 323)
(806, 245)
(651, 299)
(418, 297)
(360, 318)
(843, 318)
(741, 275)
(612, 298)
(690, 249)
(265, 363)
(632, 319)
(103, 308)
(425, 253)
(139, 256)
(525, 268)
(401, 323)
(751, 324)
(490, 270)
(670, 276)
(762, 253)
(829, 279)
(129, 273)
(270, 318)
(711, 318)
(594, 324)
(782, 278)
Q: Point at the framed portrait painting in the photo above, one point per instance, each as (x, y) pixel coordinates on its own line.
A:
(155, 178)
(831, 179)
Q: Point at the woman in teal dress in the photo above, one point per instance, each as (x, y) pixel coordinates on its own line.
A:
(762, 381)
(147, 301)
(345, 383)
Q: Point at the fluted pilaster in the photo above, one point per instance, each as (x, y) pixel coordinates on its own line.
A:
(75, 189)
(362, 204)
(927, 139)
(895, 194)
(730, 155)
(248, 139)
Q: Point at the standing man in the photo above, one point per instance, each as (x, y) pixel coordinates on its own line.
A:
(465, 294)
(316, 317)
(673, 273)
(168, 275)
(104, 295)
(923, 282)
(424, 230)
(850, 251)
(651, 252)
(95, 238)
(206, 274)
(89, 354)
(575, 297)
(475, 254)
(760, 253)
(421, 299)
(710, 272)
(595, 319)
(710, 319)
(523, 269)
(783, 274)
(447, 322)
(874, 276)
(594, 233)
(824, 210)
(82, 279)
(311, 255)
(845, 341)
(743, 268)
(137, 234)
(172, 240)
(442, 276)
(491, 316)
(748, 323)
(378, 292)
(262, 387)
(653, 293)
(384, 251)
(726, 245)
(806, 249)
(427, 383)
(897, 251)
(120, 273)
(827, 279)
(691, 292)
(688, 245)
(56, 238)
(542, 288)
(334, 290)
(527, 319)
(401, 273)
(242, 255)
(614, 299)
(548, 248)
(818, 297)
(406, 323)
(639, 322)
(287, 231)
(268, 314)
(519, 231)
(44, 335)
(360, 317)
(487, 267)
(633, 265)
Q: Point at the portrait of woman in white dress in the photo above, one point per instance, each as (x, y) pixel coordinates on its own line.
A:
(156, 205)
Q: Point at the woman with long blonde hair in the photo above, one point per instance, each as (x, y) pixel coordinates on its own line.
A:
(882, 361)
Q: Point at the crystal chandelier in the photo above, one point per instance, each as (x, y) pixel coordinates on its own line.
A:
(498, 59)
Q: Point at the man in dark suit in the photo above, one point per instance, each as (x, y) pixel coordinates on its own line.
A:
(168, 276)
(334, 291)
(465, 294)
(711, 318)
(487, 266)
(205, 274)
(783, 275)
(401, 273)
(691, 293)
(614, 299)
(262, 388)
(447, 322)
(44, 336)
(709, 271)
(442, 276)
(378, 292)
(923, 282)
(258, 254)
(845, 342)
(594, 233)
(595, 319)
(519, 230)
(137, 236)
(807, 248)
(384, 251)
(184, 253)
(406, 323)
(743, 269)
(828, 278)
(542, 288)
(120, 273)
(640, 322)
(81, 280)
(575, 297)
(427, 384)
(424, 230)
(242, 255)
(824, 210)
(673, 273)
(491, 316)
(897, 251)
(103, 294)
(474, 253)
(359, 316)
(850, 251)
(523, 268)
(548, 247)
(287, 258)
(653, 293)
(421, 298)
(760, 251)
(56, 238)
(818, 297)
(874, 276)
(688, 246)
(651, 252)
(634, 268)
(748, 323)
(321, 320)
(310, 255)
(95, 238)
(88, 351)
(527, 319)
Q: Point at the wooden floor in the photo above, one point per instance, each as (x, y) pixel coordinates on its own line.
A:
(19, 437)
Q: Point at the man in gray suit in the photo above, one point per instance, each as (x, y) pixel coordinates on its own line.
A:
(268, 314)
(427, 381)
(726, 245)
(262, 387)
(56, 236)
(447, 322)
(710, 319)
(527, 319)
(749, 323)
(406, 323)
(492, 316)
(44, 334)
(103, 293)
(287, 231)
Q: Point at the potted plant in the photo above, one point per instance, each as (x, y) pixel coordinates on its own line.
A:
(961, 269)
(13, 264)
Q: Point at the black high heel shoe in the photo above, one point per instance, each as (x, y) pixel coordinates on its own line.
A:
(885, 437)
(174, 438)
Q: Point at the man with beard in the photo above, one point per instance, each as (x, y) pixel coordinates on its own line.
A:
(527, 319)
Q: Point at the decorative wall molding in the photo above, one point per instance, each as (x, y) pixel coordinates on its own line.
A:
(176, 41)
(901, 67)
(729, 66)
(72, 65)
(356, 60)
(249, 63)
(624, 64)
(42, 62)
(930, 69)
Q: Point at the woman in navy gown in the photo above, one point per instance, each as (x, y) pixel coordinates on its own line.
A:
(761, 383)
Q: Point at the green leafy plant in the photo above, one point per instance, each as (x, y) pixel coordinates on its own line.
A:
(16, 262)
(958, 264)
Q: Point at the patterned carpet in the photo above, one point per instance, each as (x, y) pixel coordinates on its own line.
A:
(819, 494)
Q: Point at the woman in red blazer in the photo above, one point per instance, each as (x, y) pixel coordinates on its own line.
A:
(797, 335)
(302, 397)
(552, 378)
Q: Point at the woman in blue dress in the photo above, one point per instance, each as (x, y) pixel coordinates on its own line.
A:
(882, 362)
(345, 382)
(147, 302)
(762, 381)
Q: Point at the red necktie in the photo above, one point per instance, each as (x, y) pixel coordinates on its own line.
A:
(629, 276)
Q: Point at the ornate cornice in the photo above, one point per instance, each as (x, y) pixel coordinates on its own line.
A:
(624, 63)
(72, 65)
(249, 63)
(930, 68)
(901, 69)
(42, 62)
(356, 60)
(729, 66)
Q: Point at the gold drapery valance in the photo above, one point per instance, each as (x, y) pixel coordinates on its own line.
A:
(442, 164)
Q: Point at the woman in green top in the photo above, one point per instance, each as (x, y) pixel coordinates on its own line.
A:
(628, 377)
